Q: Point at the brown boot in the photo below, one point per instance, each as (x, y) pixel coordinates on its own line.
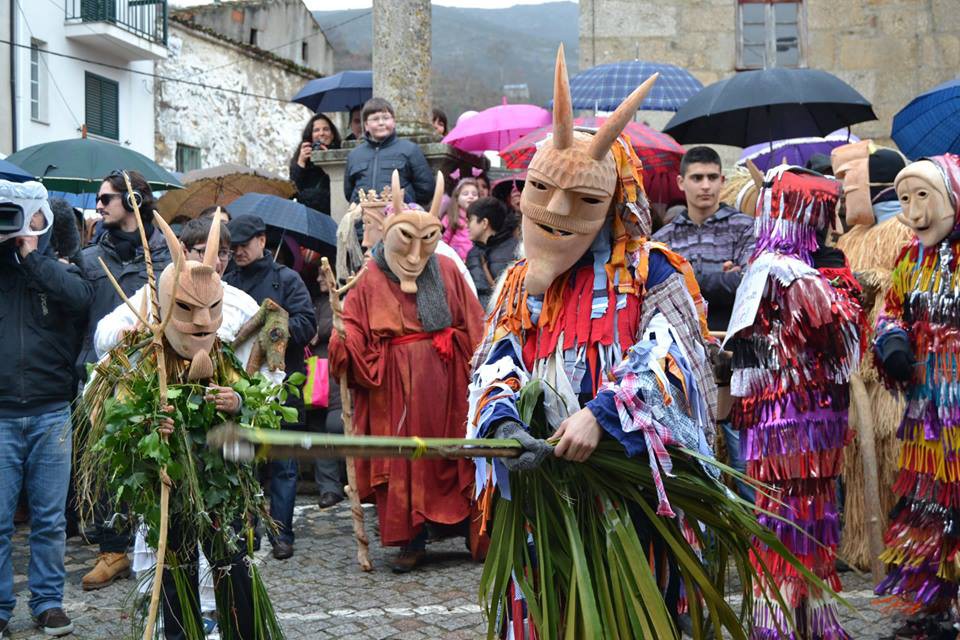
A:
(109, 567)
(407, 560)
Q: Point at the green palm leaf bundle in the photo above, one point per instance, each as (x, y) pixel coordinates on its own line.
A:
(577, 541)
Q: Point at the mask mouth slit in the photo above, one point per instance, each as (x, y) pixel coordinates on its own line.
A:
(554, 232)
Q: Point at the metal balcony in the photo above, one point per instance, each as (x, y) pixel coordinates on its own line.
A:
(127, 29)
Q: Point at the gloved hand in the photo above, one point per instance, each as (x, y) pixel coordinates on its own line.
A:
(535, 450)
(898, 359)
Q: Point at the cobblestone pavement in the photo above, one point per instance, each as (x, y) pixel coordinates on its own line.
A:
(320, 592)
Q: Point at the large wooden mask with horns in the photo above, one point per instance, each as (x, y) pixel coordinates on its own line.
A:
(411, 235)
(570, 185)
(194, 301)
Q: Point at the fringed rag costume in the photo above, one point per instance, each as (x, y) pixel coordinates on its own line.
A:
(918, 351)
(598, 318)
(411, 325)
(795, 336)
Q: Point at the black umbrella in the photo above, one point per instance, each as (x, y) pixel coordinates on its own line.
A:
(310, 228)
(770, 104)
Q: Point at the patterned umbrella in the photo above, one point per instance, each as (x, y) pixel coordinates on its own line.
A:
(604, 87)
(659, 153)
(930, 124)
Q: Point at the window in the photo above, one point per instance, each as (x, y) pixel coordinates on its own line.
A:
(253, 37)
(38, 82)
(188, 158)
(303, 52)
(102, 106)
(770, 33)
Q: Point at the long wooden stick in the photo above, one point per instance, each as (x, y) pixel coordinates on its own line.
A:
(871, 480)
(359, 532)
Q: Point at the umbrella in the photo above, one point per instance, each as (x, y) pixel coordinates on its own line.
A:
(796, 150)
(339, 92)
(79, 165)
(930, 124)
(604, 87)
(312, 229)
(220, 185)
(659, 153)
(494, 128)
(769, 104)
(13, 173)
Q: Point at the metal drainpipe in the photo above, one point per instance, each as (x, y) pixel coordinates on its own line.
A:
(13, 75)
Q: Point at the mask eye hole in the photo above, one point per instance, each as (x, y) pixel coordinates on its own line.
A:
(538, 185)
(406, 234)
(183, 306)
(591, 200)
(921, 194)
(215, 304)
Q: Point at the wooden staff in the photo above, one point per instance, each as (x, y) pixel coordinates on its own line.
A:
(871, 481)
(359, 532)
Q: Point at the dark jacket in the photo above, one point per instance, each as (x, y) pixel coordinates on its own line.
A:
(497, 254)
(725, 236)
(371, 163)
(131, 275)
(43, 307)
(313, 185)
(267, 279)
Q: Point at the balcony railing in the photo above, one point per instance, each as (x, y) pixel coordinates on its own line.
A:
(144, 18)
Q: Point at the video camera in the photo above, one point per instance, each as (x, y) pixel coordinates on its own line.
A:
(11, 218)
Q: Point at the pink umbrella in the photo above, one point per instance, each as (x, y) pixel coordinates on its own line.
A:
(494, 128)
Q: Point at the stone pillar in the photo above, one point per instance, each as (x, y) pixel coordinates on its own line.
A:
(401, 62)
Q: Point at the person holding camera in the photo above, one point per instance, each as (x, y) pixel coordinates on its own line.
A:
(313, 183)
(41, 299)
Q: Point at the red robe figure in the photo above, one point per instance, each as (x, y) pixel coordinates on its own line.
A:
(411, 326)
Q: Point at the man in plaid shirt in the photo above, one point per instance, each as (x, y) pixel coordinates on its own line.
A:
(717, 240)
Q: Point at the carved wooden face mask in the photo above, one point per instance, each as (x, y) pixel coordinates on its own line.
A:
(410, 236)
(927, 207)
(372, 205)
(851, 164)
(570, 185)
(193, 302)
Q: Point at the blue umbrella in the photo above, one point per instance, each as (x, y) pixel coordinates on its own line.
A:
(312, 229)
(13, 173)
(930, 124)
(339, 92)
(604, 87)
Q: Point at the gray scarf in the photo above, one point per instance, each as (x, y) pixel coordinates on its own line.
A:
(433, 310)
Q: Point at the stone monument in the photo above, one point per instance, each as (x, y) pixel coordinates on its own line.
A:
(401, 74)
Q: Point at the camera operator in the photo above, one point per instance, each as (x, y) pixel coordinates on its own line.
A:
(42, 317)
(313, 183)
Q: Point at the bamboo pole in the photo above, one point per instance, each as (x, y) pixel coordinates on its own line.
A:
(359, 532)
(871, 479)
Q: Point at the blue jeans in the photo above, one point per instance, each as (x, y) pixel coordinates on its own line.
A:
(35, 453)
(735, 459)
(283, 496)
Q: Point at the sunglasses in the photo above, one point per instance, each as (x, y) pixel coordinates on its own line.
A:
(106, 198)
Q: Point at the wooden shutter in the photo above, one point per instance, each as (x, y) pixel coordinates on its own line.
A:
(102, 106)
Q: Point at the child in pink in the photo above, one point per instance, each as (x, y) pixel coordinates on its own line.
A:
(454, 217)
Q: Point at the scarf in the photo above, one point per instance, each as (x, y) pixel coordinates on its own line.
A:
(433, 310)
(126, 242)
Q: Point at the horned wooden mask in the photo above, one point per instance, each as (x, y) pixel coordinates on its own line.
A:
(193, 302)
(411, 235)
(372, 205)
(570, 185)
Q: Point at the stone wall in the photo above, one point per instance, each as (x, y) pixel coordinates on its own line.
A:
(889, 50)
(227, 127)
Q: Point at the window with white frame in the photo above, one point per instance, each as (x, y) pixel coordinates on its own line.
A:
(38, 82)
(770, 33)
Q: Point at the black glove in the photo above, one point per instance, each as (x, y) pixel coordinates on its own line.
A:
(898, 360)
(534, 450)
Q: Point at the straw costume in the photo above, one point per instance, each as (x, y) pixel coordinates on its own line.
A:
(601, 333)
(795, 336)
(917, 353)
(148, 381)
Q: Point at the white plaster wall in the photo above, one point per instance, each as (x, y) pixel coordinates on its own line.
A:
(227, 127)
(65, 85)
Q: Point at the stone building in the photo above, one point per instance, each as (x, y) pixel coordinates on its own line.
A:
(889, 50)
(199, 126)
